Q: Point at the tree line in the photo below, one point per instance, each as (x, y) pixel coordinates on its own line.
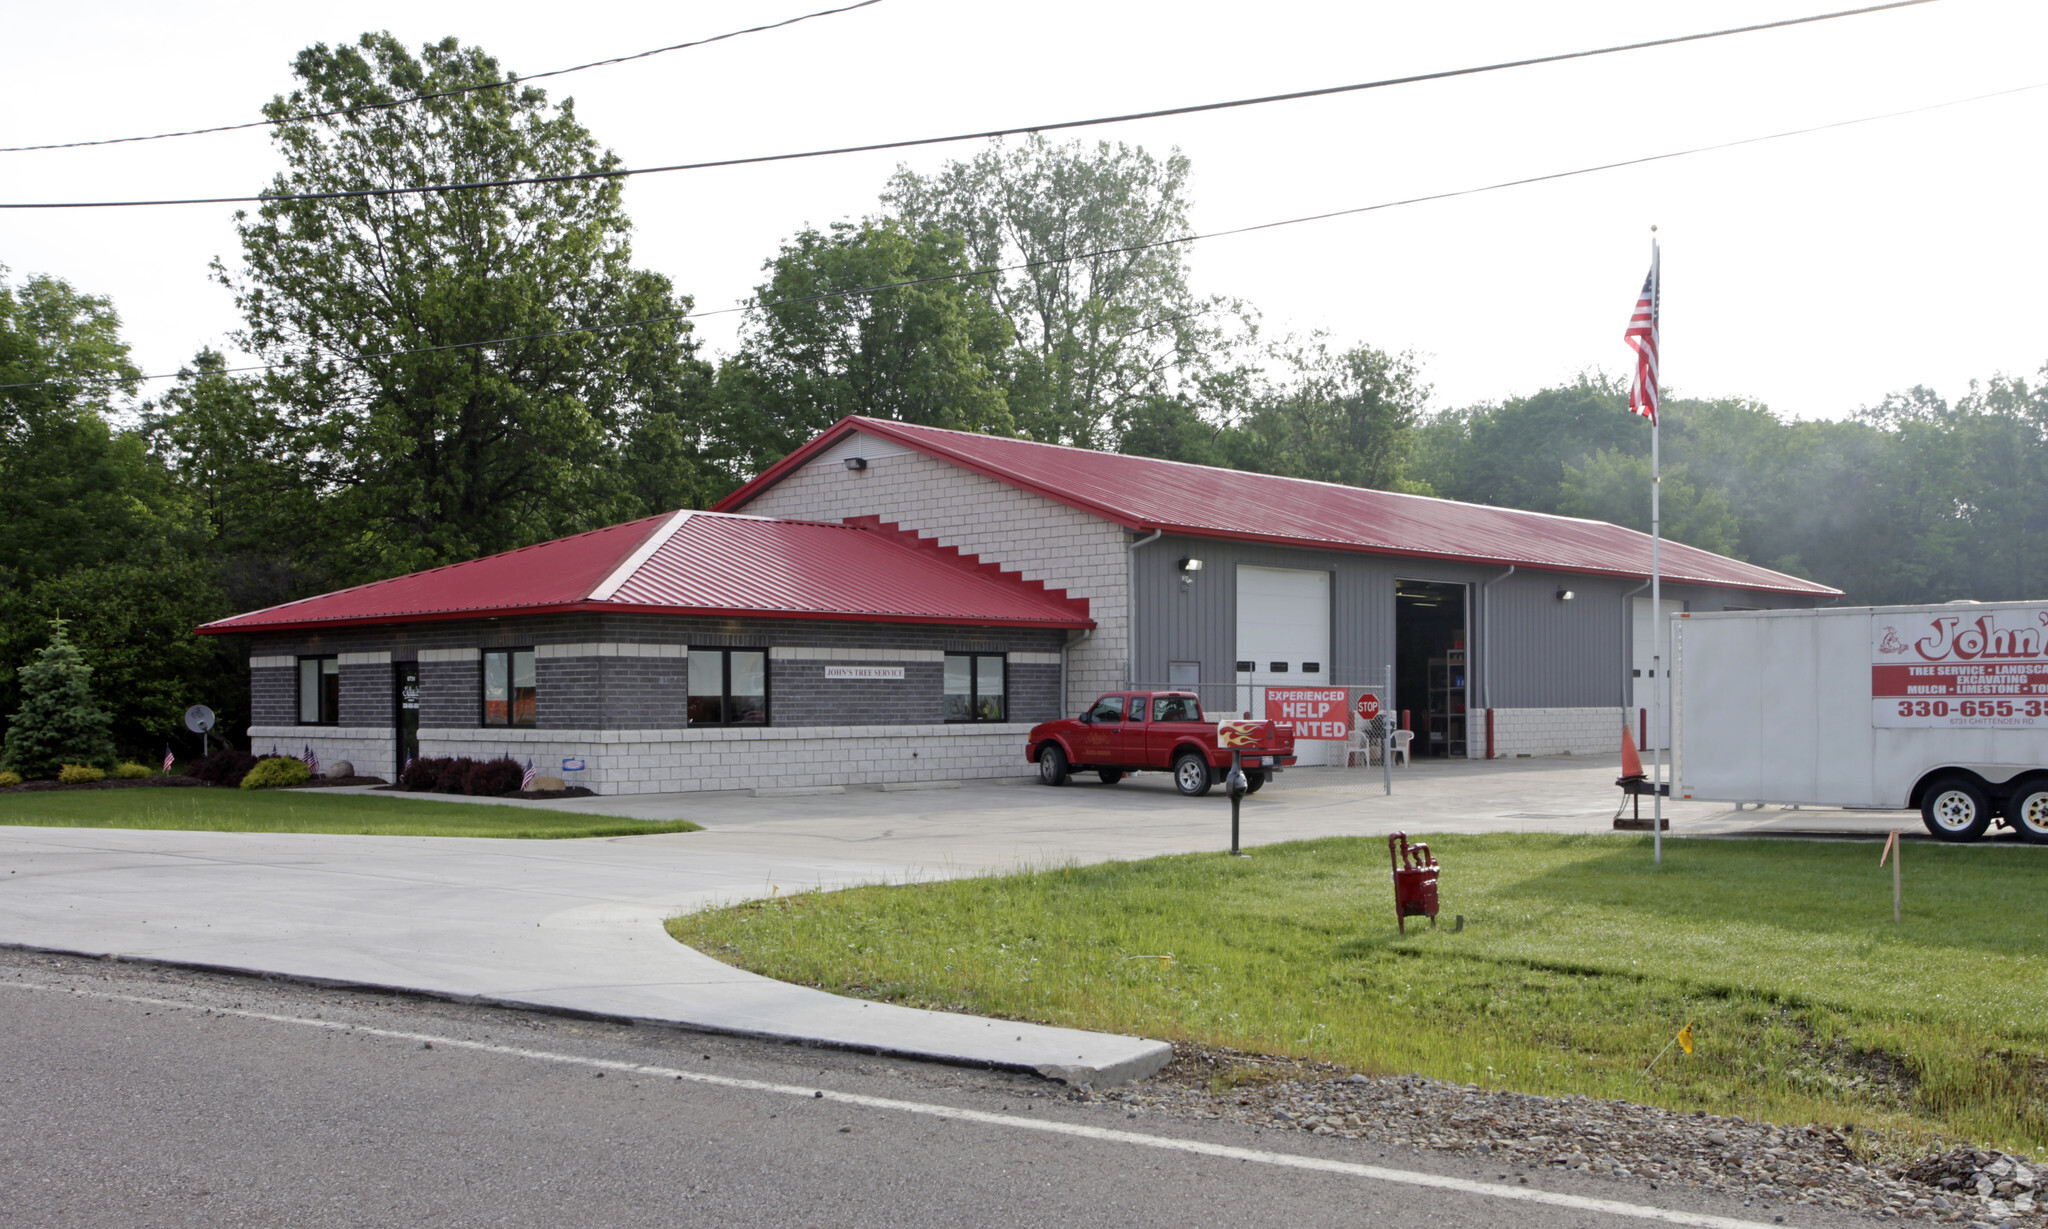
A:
(451, 374)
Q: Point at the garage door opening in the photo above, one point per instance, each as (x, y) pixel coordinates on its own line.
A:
(1430, 677)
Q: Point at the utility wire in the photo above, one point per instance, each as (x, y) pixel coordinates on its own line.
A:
(909, 143)
(463, 89)
(990, 270)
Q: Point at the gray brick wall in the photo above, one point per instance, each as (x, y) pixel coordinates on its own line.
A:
(595, 692)
(273, 696)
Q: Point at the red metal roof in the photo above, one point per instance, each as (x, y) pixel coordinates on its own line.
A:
(701, 563)
(1143, 493)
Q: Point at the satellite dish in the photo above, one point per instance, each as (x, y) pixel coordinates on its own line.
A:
(199, 719)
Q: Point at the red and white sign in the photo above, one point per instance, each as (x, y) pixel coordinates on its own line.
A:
(1368, 705)
(1317, 712)
(1960, 671)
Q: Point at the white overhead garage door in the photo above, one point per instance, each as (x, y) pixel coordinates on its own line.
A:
(1283, 634)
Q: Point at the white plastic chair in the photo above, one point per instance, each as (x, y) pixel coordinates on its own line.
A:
(1359, 743)
(1398, 741)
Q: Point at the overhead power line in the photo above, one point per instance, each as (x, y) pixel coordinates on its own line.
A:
(462, 89)
(913, 142)
(990, 270)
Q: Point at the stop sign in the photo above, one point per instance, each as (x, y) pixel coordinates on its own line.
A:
(1368, 705)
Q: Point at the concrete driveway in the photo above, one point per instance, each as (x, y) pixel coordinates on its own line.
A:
(577, 924)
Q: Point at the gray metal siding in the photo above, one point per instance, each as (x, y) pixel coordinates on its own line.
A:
(1546, 653)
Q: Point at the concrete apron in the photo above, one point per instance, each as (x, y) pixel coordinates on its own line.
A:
(560, 926)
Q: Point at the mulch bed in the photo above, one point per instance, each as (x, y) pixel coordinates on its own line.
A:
(331, 782)
(574, 791)
(27, 787)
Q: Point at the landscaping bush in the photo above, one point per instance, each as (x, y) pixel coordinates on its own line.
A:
(226, 766)
(277, 771)
(420, 775)
(9, 778)
(490, 778)
(80, 774)
(133, 772)
(453, 774)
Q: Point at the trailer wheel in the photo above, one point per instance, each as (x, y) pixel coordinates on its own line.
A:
(1191, 774)
(1955, 809)
(2028, 812)
(1052, 765)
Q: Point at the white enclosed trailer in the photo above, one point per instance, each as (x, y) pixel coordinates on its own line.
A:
(1940, 708)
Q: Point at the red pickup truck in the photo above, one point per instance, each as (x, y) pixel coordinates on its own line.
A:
(1158, 731)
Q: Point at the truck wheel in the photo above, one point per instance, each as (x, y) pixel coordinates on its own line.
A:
(1052, 765)
(1253, 779)
(1110, 776)
(2028, 812)
(1191, 774)
(1955, 809)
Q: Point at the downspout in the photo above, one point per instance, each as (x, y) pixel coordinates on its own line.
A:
(1131, 605)
(1067, 696)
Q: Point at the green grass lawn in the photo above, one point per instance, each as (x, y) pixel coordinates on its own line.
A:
(235, 810)
(1579, 960)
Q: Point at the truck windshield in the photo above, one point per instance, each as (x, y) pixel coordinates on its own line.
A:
(1176, 708)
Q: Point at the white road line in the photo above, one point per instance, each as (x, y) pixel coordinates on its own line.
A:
(1284, 1160)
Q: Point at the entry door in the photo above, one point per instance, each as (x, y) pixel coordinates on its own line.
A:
(1642, 673)
(1283, 638)
(405, 703)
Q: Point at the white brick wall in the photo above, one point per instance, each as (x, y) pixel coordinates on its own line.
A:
(1551, 731)
(1034, 536)
(664, 761)
(370, 748)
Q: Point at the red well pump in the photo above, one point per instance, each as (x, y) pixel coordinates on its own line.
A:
(1414, 880)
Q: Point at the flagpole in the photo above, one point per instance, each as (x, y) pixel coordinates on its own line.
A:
(1657, 671)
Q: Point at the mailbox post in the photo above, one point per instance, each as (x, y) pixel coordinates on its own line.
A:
(1235, 783)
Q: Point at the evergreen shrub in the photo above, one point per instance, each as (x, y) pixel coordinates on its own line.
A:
(420, 775)
(80, 774)
(9, 778)
(279, 770)
(493, 777)
(59, 723)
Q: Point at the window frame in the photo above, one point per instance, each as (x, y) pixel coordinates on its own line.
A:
(974, 693)
(725, 695)
(299, 689)
(483, 689)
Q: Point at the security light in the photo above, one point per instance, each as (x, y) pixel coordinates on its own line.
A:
(1191, 565)
(856, 462)
(1565, 595)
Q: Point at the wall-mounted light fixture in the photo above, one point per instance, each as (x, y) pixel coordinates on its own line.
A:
(1188, 568)
(856, 463)
(1191, 565)
(1565, 595)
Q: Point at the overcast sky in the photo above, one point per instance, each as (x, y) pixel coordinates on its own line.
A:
(1815, 273)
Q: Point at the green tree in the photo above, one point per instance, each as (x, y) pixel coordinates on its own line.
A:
(1338, 416)
(926, 353)
(1614, 487)
(1104, 323)
(58, 722)
(427, 457)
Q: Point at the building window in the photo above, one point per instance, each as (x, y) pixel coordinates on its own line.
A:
(319, 691)
(975, 686)
(728, 687)
(511, 695)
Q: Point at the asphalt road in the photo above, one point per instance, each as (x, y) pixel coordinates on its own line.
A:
(137, 1095)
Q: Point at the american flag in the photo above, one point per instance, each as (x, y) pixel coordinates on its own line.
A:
(169, 759)
(312, 759)
(1642, 338)
(526, 778)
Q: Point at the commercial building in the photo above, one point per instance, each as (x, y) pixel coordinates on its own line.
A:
(899, 603)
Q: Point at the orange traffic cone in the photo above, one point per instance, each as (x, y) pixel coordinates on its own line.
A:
(1631, 760)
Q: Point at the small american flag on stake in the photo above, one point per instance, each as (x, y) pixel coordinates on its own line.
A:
(1642, 338)
(169, 759)
(526, 778)
(312, 759)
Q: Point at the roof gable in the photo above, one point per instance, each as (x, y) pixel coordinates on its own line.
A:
(1144, 493)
